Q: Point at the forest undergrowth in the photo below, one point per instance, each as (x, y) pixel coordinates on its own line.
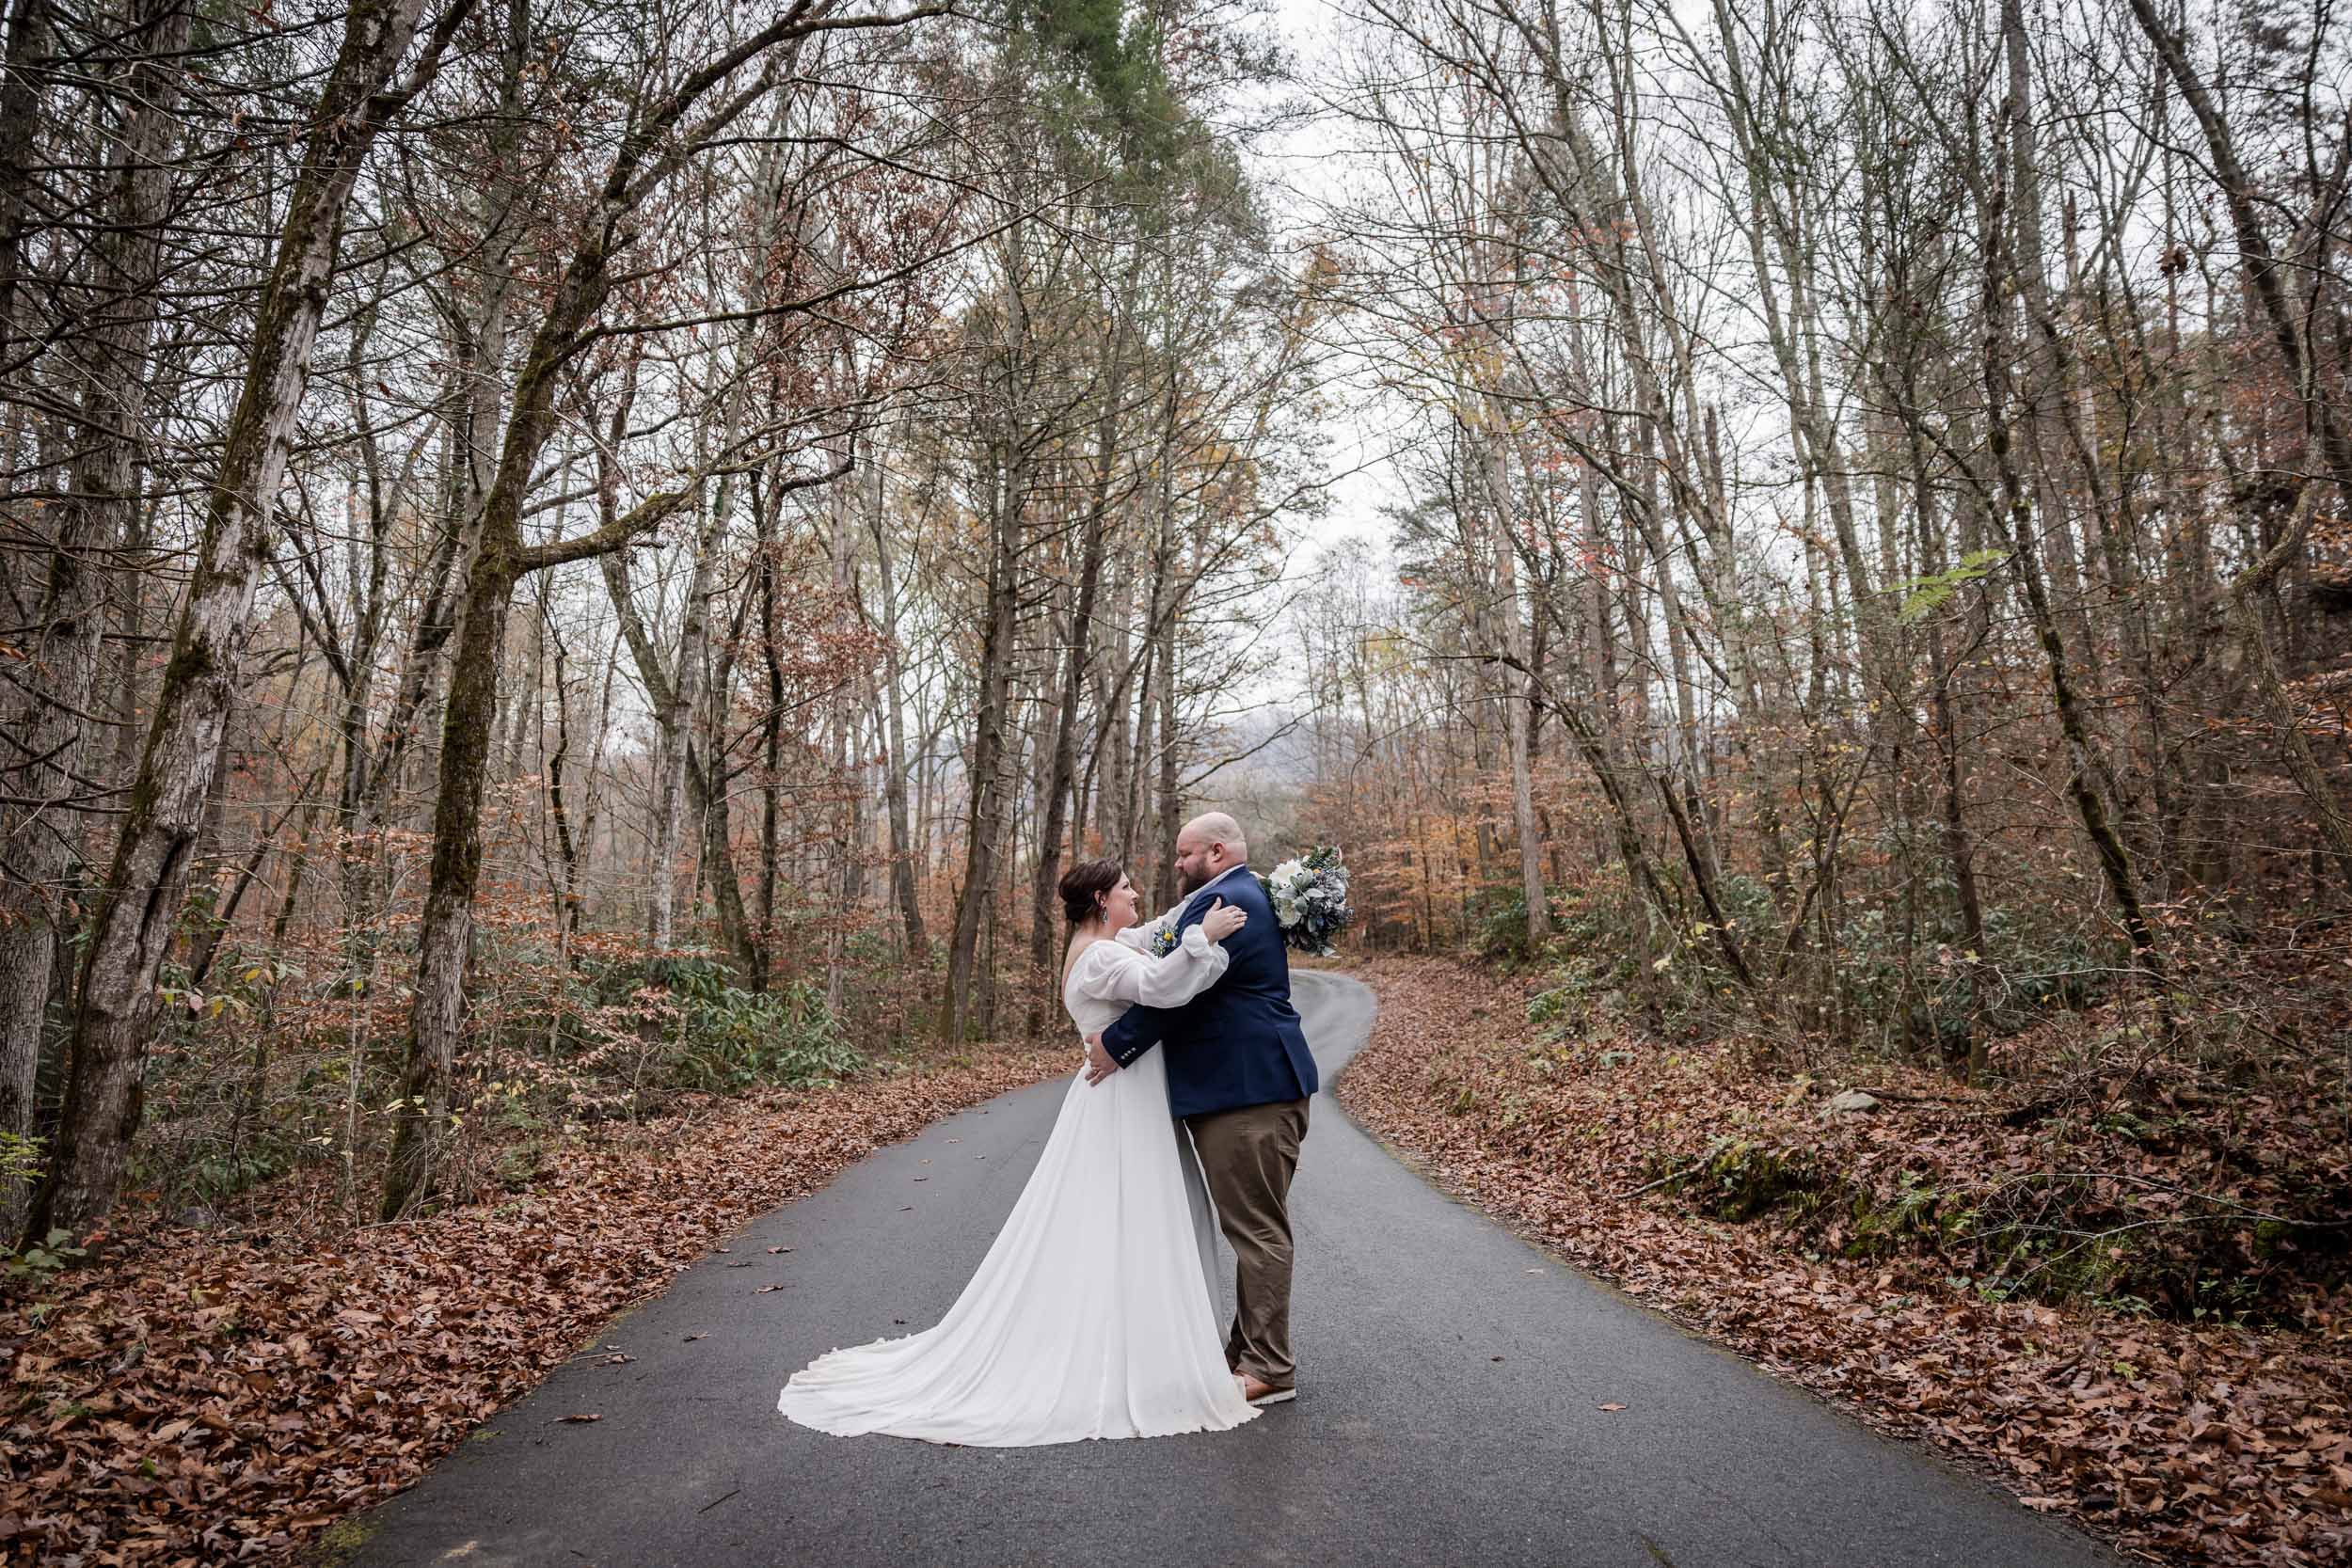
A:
(231, 1391)
(2115, 1279)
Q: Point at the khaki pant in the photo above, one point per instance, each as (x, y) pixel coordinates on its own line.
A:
(1248, 1156)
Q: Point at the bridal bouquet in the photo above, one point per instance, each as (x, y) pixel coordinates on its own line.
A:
(1309, 899)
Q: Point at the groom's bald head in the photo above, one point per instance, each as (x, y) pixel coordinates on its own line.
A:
(1214, 827)
(1208, 846)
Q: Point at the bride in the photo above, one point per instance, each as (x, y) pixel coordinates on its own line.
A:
(1093, 1314)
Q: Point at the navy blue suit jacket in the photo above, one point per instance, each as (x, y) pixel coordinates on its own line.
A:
(1239, 1043)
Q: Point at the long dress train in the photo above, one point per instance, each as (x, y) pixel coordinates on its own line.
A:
(1093, 1314)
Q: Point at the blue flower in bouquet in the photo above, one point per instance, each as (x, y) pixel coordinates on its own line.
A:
(1309, 899)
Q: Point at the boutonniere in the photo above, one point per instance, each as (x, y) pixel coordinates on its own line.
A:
(1164, 940)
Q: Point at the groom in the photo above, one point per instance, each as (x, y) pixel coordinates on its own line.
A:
(1238, 1076)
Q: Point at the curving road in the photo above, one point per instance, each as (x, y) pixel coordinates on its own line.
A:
(1450, 1380)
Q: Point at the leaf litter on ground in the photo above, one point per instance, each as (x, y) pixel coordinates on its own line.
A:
(198, 1396)
(2184, 1442)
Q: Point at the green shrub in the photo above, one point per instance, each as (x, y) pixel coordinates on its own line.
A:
(2028, 968)
(727, 1039)
(1501, 929)
(52, 1253)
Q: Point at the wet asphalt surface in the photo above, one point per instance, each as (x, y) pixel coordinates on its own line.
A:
(1450, 1383)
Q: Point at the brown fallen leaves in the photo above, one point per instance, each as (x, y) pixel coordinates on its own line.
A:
(203, 1398)
(2183, 1443)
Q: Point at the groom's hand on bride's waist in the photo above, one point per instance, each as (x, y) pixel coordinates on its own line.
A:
(1099, 1063)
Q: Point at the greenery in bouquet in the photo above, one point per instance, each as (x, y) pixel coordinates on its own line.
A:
(1309, 899)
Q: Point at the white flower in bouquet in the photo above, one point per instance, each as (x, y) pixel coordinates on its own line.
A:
(1285, 890)
(1310, 897)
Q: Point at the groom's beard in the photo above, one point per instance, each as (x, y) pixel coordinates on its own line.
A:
(1190, 882)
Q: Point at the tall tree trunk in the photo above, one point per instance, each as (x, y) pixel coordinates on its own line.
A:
(1061, 774)
(567, 840)
(21, 78)
(677, 714)
(445, 939)
(985, 823)
(661, 139)
(771, 732)
(2012, 519)
(1517, 689)
(1159, 634)
(99, 511)
(116, 1002)
(1948, 711)
(890, 716)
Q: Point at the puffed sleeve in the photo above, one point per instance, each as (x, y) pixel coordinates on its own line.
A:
(1138, 936)
(1123, 975)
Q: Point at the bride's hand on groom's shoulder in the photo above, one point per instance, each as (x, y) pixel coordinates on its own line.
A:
(1223, 920)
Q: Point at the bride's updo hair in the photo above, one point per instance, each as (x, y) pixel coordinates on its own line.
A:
(1083, 887)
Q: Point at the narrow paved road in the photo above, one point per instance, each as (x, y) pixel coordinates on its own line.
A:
(1451, 1381)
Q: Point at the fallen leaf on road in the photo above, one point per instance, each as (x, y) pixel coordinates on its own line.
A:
(562, 1419)
(2195, 1442)
(765, 1289)
(357, 1355)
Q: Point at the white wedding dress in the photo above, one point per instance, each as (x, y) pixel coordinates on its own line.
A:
(1093, 1314)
